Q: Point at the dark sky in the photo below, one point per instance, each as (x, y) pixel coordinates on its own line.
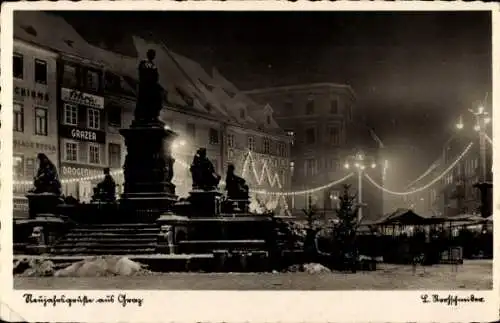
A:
(413, 72)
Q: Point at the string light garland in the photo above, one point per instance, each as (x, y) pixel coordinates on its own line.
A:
(447, 170)
(312, 190)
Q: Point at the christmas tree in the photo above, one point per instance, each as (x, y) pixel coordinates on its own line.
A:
(310, 249)
(345, 229)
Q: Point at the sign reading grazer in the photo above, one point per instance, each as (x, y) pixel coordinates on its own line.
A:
(82, 134)
(78, 97)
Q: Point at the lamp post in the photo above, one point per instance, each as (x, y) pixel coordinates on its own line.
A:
(482, 120)
(360, 163)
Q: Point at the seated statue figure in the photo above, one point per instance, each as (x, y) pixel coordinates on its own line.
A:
(236, 187)
(203, 172)
(106, 189)
(46, 179)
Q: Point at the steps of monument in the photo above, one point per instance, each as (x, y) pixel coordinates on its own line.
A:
(119, 226)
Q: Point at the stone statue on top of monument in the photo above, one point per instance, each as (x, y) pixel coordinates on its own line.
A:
(236, 186)
(150, 93)
(46, 179)
(203, 172)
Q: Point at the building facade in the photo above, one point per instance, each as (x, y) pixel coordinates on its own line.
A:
(93, 96)
(34, 111)
(82, 125)
(325, 135)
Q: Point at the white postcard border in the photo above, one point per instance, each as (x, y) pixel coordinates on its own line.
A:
(234, 306)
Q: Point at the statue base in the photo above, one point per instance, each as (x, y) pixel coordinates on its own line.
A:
(42, 203)
(236, 206)
(148, 169)
(205, 203)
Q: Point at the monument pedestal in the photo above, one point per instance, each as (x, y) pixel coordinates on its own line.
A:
(205, 203)
(148, 169)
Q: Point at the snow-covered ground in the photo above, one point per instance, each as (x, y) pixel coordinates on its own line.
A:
(473, 275)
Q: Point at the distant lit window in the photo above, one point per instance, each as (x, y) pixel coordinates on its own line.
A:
(18, 66)
(70, 151)
(70, 114)
(114, 155)
(18, 117)
(40, 71)
(251, 143)
(213, 135)
(334, 134)
(41, 121)
(94, 118)
(92, 80)
(94, 154)
(230, 140)
(266, 145)
(18, 166)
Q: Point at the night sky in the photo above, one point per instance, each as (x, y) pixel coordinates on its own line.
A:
(413, 73)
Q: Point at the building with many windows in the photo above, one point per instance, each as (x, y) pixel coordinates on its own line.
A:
(34, 109)
(319, 119)
(96, 97)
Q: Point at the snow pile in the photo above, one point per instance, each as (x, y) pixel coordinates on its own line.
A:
(34, 267)
(103, 266)
(313, 268)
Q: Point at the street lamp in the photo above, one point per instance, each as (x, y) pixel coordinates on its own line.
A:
(359, 162)
(482, 119)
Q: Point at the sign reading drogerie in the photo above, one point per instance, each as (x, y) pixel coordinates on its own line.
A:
(79, 134)
(78, 97)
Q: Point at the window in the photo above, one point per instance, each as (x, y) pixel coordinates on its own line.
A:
(191, 130)
(112, 81)
(333, 164)
(268, 119)
(94, 154)
(18, 117)
(213, 135)
(93, 119)
(266, 146)
(114, 156)
(41, 121)
(230, 140)
(311, 167)
(251, 143)
(71, 151)
(69, 76)
(280, 149)
(18, 66)
(310, 106)
(334, 134)
(18, 166)
(242, 113)
(310, 136)
(70, 114)
(92, 80)
(334, 106)
(115, 116)
(40, 71)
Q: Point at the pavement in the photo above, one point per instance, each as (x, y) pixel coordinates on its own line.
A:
(472, 275)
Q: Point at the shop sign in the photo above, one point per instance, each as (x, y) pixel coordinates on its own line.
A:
(78, 97)
(70, 171)
(28, 144)
(82, 134)
(20, 91)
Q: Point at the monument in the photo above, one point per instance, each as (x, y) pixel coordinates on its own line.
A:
(148, 168)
